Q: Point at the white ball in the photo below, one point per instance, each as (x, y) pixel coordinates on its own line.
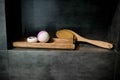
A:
(43, 36)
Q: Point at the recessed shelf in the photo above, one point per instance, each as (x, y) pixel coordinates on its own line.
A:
(82, 49)
(91, 19)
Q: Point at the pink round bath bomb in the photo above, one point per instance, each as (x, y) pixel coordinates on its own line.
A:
(43, 36)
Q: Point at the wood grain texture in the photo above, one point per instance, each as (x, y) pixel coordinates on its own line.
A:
(54, 43)
(70, 34)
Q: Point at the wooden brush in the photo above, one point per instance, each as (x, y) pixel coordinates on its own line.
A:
(69, 34)
(66, 35)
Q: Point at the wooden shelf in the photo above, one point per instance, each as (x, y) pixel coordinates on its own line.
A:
(54, 43)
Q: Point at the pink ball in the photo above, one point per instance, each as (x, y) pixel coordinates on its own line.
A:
(43, 36)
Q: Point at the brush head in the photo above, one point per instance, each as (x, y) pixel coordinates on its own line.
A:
(65, 35)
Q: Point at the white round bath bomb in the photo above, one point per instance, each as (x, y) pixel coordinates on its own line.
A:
(43, 36)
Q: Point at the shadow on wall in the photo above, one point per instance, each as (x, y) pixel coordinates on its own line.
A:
(93, 17)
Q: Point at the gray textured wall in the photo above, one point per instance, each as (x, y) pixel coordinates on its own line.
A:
(3, 39)
(4, 65)
(88, 63)
(93, 17)
(97, 64)
(118, 67)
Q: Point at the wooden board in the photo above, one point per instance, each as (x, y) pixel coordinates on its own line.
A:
(54, 43)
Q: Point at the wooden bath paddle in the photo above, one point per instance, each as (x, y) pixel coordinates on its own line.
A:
(66, 33)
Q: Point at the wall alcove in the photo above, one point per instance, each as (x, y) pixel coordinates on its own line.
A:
(91, 19)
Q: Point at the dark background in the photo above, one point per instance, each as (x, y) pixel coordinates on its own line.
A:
(83, 16)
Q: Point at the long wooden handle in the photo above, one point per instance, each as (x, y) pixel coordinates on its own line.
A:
(99, 43)
(94, 42)
(65, 32)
